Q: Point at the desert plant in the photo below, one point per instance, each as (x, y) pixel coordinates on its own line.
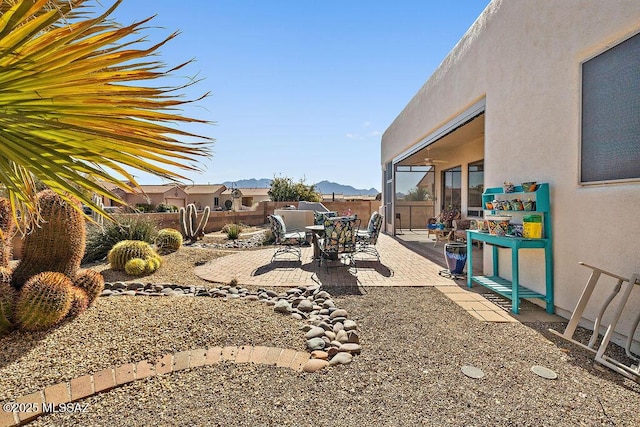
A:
(168, 240)
(135, 267)
(45, 299)
(268, 238)
(126, 250)
(189, 226)
(91, 282)
(57, 244)
(233, 231)
(100, 76)
(152, 264)
(100, 240)
(7, 229)
(79, 302)
(7, 301)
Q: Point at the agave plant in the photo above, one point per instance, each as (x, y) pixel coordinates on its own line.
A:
(78, 107)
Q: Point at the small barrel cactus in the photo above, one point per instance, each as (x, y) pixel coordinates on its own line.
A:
(135, 267)
(152, 264)
(44, 300)
(7, 301)
(126, 250)
(91, 282)
(168, 240)
(79, 302)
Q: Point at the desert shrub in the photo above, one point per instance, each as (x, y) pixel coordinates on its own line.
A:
(269, 238)
(233, 231)
(100, 240)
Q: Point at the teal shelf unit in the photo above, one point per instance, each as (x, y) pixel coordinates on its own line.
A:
(512, 289)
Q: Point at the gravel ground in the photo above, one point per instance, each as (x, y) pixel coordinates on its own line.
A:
(414, 341)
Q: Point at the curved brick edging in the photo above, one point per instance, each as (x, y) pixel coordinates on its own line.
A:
(107, 379)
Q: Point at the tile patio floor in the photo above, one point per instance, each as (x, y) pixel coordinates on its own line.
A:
(399, 266)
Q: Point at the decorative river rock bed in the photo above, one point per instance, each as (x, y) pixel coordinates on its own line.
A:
(331, 337)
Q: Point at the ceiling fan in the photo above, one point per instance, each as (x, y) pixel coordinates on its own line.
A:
(430, 161)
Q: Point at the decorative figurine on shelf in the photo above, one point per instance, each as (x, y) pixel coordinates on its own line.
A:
(509, 187)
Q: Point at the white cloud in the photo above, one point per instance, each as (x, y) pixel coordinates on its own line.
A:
(375, 133)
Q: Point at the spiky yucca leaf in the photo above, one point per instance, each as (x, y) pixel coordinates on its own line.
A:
(77, 105)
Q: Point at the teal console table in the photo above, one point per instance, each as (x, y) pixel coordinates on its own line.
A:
(512, 289)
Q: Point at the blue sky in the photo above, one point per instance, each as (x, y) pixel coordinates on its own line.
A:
(301, 89)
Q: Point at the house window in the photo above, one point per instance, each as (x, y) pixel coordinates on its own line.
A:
(452, 188)
(476, 187)
(610, 148)
(388, 190)
(216, 201)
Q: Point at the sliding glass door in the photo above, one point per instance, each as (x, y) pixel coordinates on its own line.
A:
(452, 189)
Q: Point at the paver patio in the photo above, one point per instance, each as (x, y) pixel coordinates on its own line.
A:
(398, 266)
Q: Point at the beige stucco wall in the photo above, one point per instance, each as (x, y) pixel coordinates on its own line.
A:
(524, 58)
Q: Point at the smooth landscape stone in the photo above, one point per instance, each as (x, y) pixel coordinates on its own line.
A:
(282, 306)
(271, 293)
(316, 344)
(319, 354)
(342, 337)
(330, 334)
(350, 325)
(314, 365)
(328, 304)
(129, 293)
(353, 337)
(332, 351)
(351, 348)
(134, 286)
(306, 328)
(338, 319)
(314, 332)
(252, 298)
(335, 344)
(338, 327)
(296, 316)
(323, 294)
(118, 285)
(472, 372)
(341, 359)
(106, 293)
(305, 305)
(544, 372)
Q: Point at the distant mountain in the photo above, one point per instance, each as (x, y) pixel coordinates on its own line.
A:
(324, 187)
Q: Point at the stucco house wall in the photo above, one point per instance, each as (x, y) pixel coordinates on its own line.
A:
(524, 59)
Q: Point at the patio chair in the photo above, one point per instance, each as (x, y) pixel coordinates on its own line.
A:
(319, 217)
(367, 239)
(622, 290)
(287, 242)
(339, 240)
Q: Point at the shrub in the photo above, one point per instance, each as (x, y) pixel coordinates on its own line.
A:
(232, 230)
(100, 240)
(268, 238)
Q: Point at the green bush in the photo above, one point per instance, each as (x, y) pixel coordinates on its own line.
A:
(100, 240)
(233, 231)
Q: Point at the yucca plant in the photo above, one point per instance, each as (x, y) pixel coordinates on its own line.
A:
(78, 105)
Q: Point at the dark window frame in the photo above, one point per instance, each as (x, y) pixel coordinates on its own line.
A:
(610, 116)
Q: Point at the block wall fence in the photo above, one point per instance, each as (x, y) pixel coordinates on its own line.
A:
(218, 219)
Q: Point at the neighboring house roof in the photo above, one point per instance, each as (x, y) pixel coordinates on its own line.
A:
(156, 189)
(249, 192)
(205, 189)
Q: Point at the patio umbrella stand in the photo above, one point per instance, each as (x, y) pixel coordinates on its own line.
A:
(455, 254)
